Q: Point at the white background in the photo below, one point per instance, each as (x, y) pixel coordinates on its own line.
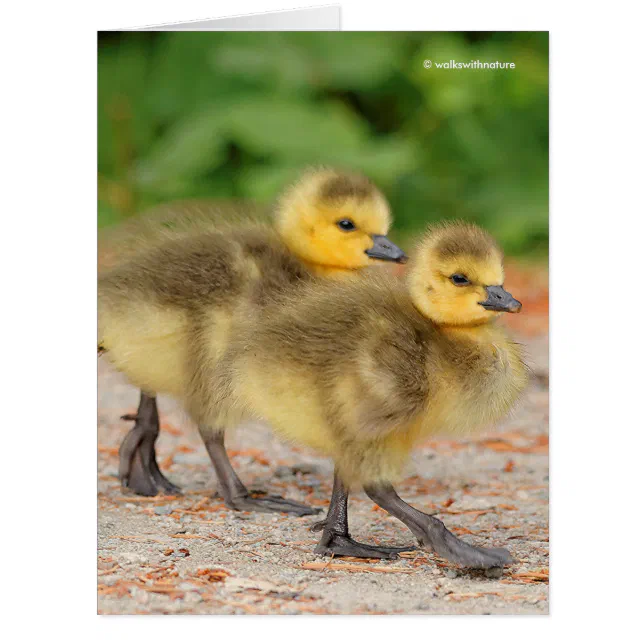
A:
(47, 255)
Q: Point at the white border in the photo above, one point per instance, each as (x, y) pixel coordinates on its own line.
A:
(48, 260)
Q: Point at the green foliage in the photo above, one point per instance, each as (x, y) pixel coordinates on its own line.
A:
(238, 115)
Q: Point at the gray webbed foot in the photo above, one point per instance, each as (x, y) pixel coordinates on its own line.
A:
(342, 545)
(138, 468)
(236, 495)
(340, 542)
(269, 503)
(336, 540)
(450, 547)
(432, 533)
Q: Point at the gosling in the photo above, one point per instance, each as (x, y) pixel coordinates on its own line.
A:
(191, 281)
(362, 371)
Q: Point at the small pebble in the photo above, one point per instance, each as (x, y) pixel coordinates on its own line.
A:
(285, 471)
(133, 557)
(451, 573)
(185, 585)
(494, 573)
(162, 509)
(193, 597)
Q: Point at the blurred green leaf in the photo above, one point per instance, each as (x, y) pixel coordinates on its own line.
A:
(188, 149)
(271, 62)
(361, 62)
(265, 183)
(298, 130)
(231, 115)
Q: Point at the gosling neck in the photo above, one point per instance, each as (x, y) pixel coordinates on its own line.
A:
(477, 330)
(324, 270)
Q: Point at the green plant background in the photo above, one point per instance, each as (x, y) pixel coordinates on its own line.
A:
(238, 115)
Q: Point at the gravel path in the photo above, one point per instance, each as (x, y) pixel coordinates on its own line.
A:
(191, 555)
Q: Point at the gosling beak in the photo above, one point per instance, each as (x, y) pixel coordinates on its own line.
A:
(498, 299)
(386, 250)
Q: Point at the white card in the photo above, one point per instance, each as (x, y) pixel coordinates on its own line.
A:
(309, 19)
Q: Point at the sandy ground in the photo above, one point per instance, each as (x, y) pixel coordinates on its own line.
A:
(190, 555)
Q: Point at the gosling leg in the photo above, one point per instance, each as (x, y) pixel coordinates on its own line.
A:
(236, 495)
(336, 539)
(138, 468)
(432, 533)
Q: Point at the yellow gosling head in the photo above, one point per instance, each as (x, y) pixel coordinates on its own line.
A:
(336, 220)
(457, 277)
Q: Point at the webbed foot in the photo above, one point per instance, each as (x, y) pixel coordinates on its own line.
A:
(236, 495)
(336, 540)
(450, 547)
(138, 468)
(269, 503)
(432, 533)
(342, 545)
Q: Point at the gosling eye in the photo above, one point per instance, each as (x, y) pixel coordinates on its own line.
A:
(346, 225)
(459, 280)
